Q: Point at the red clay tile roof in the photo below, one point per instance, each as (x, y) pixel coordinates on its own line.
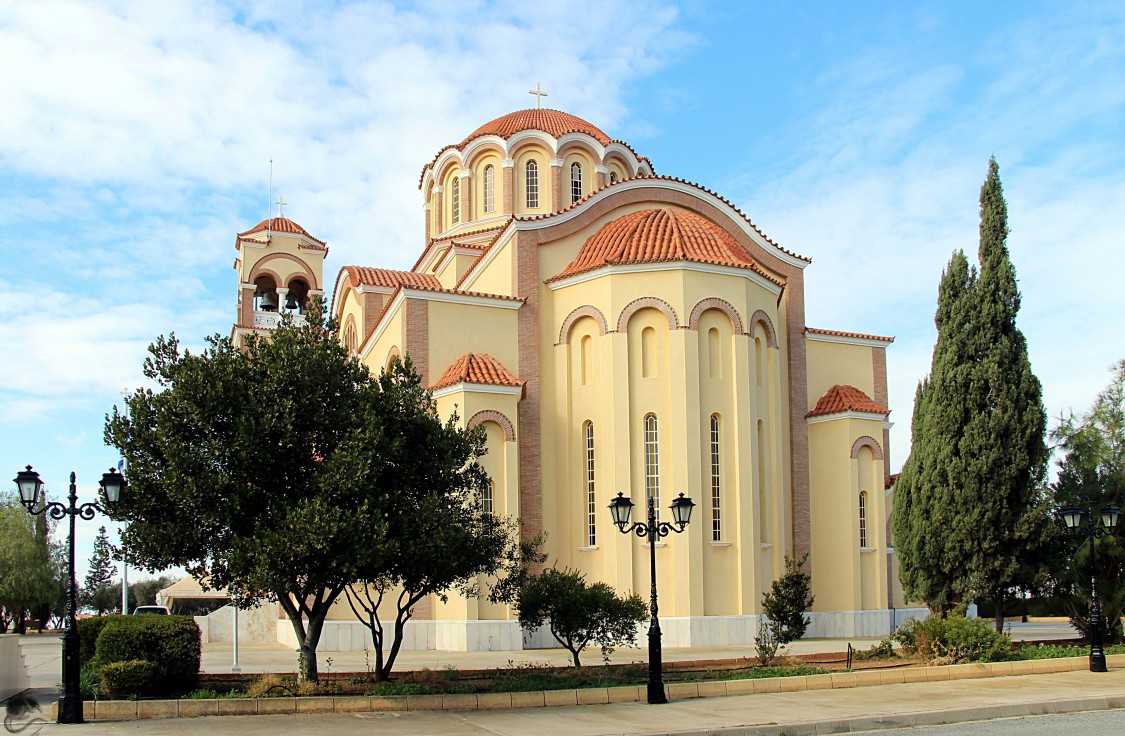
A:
(476, 368)
(555, 122)
(661, 235)
(846, 398)
(280, 225)
(721, 198)
(390, 279)
(859, 335)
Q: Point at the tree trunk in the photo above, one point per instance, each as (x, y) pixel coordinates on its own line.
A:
(998, 614)
(574, 655)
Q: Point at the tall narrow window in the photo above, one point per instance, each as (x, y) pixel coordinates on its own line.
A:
(612, 177)
(759, 360)
(652, 462)
(575, 182)
(716, 482)
(531, 183)
(489, 494)
(591, 508)
(489, 188)
(863, 519)
(456, 200)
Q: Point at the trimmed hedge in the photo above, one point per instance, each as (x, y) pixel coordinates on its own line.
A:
(132, 677)
(170, 643)
(88, 631)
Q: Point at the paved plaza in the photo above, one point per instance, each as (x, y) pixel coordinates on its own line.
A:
(821, 711)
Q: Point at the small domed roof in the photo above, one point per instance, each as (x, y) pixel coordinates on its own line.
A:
(653, 236)
(555, 122)
(280, 225)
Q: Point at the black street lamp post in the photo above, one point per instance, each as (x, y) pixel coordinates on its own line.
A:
(1074, 517)
(112, 483)
(620, 508)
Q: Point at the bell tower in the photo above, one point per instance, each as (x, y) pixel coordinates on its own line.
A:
(280, 267)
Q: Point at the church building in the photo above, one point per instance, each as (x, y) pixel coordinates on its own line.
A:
(618, 331)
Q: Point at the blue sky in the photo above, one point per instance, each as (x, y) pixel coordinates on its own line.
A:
(135, 140)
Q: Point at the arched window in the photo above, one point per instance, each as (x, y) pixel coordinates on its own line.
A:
(759, 359)
(487, 499)
(531, 183)
(652, 462)
(863, 519)
(716, 482)
(489, 188)
(350, 338)
(648, 353)
(575, 182)
(456, 203)
(612, 177)
(591, 508)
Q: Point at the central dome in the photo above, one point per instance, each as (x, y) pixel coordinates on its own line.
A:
(660, 235)
(549, 121)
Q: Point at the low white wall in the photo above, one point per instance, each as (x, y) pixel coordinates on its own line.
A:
(254, 625)
(454, 636)
(13, 668)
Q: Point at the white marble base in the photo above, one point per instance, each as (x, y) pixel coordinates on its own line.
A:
(677, 631)
(453, 636)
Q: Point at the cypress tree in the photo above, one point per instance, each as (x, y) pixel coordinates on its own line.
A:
(968, 507)
(100, 573)
(1003, 444)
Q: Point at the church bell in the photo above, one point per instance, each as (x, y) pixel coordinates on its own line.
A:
(291, 304)
(269, 302)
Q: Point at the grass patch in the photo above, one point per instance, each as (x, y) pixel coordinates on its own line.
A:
(1057, 651)
(204, 693)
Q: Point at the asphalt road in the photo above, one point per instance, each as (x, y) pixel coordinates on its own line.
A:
(1095, 722)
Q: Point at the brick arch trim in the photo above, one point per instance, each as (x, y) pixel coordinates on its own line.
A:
(392, 354)
(722, 306)
(491, 415)
(285, 257)
(577, 314)
(647, 302)
(761, 318)
(867, 441)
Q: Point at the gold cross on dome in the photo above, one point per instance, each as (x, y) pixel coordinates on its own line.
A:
(539, 94)
(280, 206)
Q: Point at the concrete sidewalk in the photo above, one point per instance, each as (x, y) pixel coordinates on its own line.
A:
(819, 711)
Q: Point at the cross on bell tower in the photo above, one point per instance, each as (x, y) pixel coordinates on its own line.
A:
(280, 206)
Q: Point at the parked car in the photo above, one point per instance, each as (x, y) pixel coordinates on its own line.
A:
(160, 610)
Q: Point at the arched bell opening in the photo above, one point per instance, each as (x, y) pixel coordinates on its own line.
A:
(297, 297)
(265, 294)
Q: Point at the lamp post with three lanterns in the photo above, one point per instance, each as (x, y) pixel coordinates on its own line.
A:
(29, 484)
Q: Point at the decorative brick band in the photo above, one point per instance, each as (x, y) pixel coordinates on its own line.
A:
(761, 318)
(867, 441)
(491, 415)
(647, 302)
(722, 306)
(577, 314)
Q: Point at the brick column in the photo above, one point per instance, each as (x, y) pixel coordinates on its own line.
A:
(509, 200)
(798, 407)
(601, 176)
(438, 212)
(525, 283)
(879, 372)
(556, 184)
(466, 196)
(416, 336)
(428, 210)
(246, 309)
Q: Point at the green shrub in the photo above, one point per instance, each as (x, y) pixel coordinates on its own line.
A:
(787, 600)
(883, 650)
(171, 643)
(270, 685)
(402, 688)
(88, 631)
(953, 639)
(130, 677)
